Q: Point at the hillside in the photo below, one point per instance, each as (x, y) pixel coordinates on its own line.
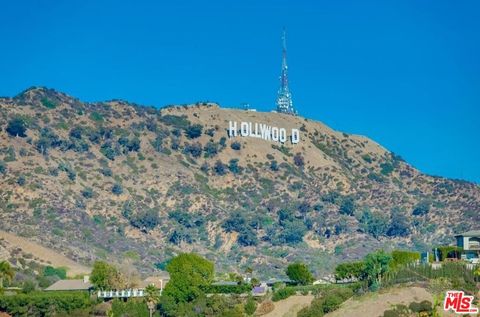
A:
(117, 180)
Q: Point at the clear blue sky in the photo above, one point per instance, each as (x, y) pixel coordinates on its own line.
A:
(405, 73)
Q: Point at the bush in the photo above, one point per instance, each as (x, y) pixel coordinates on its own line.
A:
(106, 171)
(274, 166)
(421, 209)
(107, 150)
(96, 116)
(16, 127)
(180, 122)
(3, 167)
(404, 257)
(117, 189)
(211, 149)
(283, 293)
(60, 272)
(233, 166)
(194, 131)
(220, 168)
(250, 306)
(132, 307)
(43, 303)
(299, 160)
(194, 149)
(87, 193)
(47, 103)
(146, 219)
(347, 207)
(236, 146)
(21, 180)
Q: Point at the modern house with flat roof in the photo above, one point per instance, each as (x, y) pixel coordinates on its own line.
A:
(470, 243)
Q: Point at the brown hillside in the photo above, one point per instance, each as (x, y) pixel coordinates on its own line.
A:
(115, 180)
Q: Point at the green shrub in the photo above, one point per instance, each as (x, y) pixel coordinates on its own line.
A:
(47, 103)
(194, 131)
(250, 306)
(17, 127)
(180, 122)
(236, 146)
(132, 307)
(96, 116)
(421, 209)
(283, 293)
(51, 271)
(117, 189)
(87, 192)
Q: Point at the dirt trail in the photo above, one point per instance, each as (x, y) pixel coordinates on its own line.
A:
(46, 255)
(289, 307)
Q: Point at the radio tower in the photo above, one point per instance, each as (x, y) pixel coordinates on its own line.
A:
(284, 97)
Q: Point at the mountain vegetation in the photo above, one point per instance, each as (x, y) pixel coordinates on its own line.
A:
(115, 180)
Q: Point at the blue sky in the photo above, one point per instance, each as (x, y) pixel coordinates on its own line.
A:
(404, 73)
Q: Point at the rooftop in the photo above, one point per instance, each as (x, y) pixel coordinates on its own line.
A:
(70, 285)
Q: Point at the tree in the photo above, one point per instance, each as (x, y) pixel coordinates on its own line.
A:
(189, 274)
(299, 273)
(350, 270)
(104, 276)
(16, 127)
(151, 297)
(376, 265)
(347, 207)
(399, 224)
(374, 223)
(6, 273)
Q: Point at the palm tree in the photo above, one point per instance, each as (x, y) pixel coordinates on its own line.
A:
(6, 272)
(152, 297)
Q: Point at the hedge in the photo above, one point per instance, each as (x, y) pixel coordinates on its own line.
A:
(44, 303)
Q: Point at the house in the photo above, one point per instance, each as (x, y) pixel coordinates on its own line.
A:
(260, 290)
(470, 243)
(71, 285)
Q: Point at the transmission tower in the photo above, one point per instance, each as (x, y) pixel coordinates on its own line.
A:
(284, 97)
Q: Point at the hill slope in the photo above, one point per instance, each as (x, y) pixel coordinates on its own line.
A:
(115, 180)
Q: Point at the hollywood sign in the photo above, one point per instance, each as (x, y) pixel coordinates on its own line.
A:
(262, 131)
